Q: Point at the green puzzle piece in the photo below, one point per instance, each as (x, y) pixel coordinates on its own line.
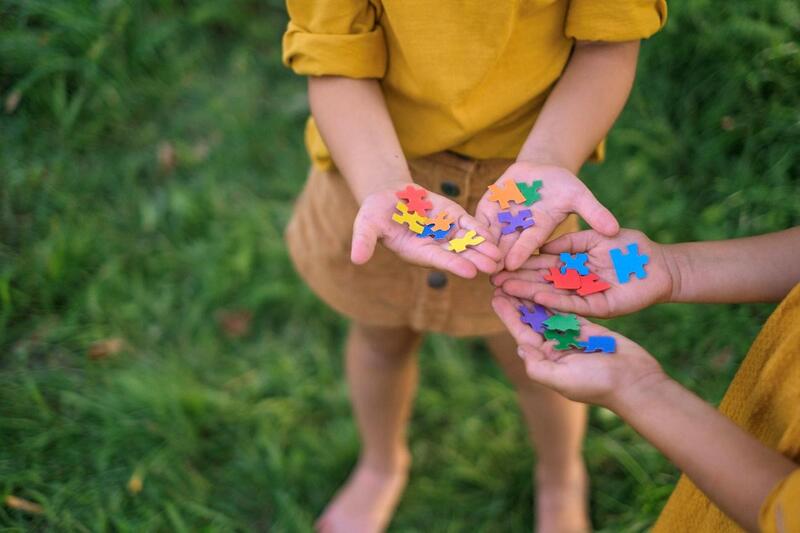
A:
(563, 323)
(565, 340)
(530, 192)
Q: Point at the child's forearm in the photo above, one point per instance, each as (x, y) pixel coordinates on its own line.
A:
(583, 105)
(753, 269)
(731, 467)
(352, 117)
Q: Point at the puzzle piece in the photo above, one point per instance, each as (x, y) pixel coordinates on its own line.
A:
(534, 318)
(442, 221)
(576, 262)
(591, 284)
(504, 194)
(415, 222)
(570, 280)
(429, 231)
(565, 339)
(415, 196)
(469, 239)
(599, 343)
(513, 222)
(630, 263)
(563, 323)
(531, 192)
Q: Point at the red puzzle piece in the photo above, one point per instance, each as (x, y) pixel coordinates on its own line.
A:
(591, 284)
(415, 196)
(570, 280)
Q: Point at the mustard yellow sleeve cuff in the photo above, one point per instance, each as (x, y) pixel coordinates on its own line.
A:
(780, 512)
(615, 20)
(355, 55)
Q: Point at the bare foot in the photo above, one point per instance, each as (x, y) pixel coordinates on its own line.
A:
(562, 504)
(366, 503)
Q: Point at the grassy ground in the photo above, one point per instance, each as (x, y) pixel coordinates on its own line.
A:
(162, 367)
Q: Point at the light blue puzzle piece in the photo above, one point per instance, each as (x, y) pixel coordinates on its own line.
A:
(599, 343)
(427, 231)
(630, 263)
(576, 262)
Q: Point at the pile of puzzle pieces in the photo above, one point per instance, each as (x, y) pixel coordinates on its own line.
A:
(564, 329)
(519, 193)
(574, 274)
(414, 214)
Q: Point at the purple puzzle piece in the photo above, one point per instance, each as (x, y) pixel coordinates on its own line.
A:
(523, 219)
(535, 317)
(599, 343)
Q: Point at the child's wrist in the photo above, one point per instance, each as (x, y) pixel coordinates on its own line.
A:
(541, 156)
(391, 184)
(640, 394)
(679, 267)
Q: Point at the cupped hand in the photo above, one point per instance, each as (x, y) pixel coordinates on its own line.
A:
(561, 193)
(597, 378)
(374, 222)
(622, 298)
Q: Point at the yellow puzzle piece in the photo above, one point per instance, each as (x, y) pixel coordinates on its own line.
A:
(469, 239)
(414, 221)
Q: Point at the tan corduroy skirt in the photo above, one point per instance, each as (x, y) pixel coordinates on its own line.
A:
(387, 291)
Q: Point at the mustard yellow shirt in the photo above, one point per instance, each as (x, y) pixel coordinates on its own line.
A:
(764, 399)
(464, 75)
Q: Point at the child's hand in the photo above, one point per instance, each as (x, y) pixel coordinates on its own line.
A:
(561, 193)
(374, 221)
(597, 378)
(620, 299)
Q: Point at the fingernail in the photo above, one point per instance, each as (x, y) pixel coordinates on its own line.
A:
(521, 352)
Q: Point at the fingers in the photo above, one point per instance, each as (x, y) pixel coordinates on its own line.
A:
(487, 247)
(572, 243)
(439, 257)
(530, 240)
(534, 269)
(595, 214)
(564, 302)
(365, 236)
(507, 309)
(541, 369)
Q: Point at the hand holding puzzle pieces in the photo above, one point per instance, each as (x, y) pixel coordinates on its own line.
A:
(575, 275)
(414, 214)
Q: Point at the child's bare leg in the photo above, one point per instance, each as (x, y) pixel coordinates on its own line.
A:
(556, 427)
(382, 374)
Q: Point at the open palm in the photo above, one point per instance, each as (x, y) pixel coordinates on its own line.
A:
(561, 193)
(620, 299)
(583, 377)
(374, 222)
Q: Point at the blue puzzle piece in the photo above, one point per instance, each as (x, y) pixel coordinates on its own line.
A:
(576, 262)
(534, 318)
(630, 263)
(599, 343)
(428, 231)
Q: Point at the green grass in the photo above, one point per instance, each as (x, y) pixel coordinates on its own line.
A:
(102, 239)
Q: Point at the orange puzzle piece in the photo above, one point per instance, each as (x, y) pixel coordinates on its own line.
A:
(415, 222)
(506, 194)
(415, 196)
(469, 239)
(441, 221)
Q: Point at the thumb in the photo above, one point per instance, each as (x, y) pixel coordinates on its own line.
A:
(365, 236)
(539, 368)
(595, 214)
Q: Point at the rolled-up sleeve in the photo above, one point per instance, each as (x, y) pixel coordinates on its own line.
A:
(780, 512)
(335, 38)
(615, 20)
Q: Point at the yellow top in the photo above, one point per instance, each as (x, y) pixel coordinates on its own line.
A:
(764, 399)
(464, 75)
